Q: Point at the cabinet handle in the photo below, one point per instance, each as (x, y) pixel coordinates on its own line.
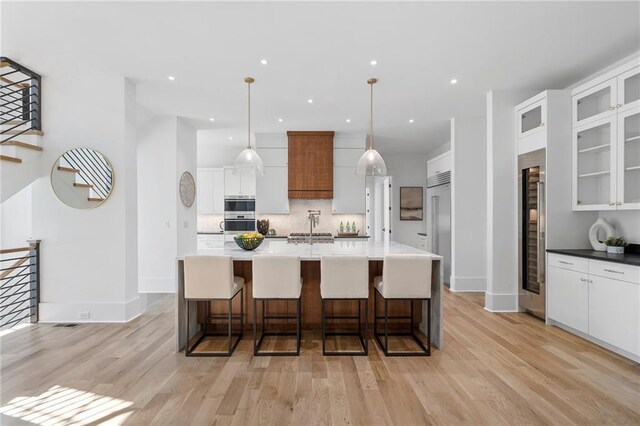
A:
(566, 263)
(541, 124)
(612, 108)
(613, 271)
(611, 203)
(618, 203)
(619, 105)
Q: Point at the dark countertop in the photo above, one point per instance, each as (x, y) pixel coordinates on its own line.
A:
(210, 233)
(628, 258)
(275, 236)
(337, 237)
(424, 234)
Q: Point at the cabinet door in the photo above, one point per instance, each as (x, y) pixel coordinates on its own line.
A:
(595, 103)
(349, 191)
(629, 90)
(231, 183)
(532, 118)
(628, 152)
(205, 191)
(594, 165)
(271, 191)
(614, 312)
(218, 191)
(568, 298)
(248, 184)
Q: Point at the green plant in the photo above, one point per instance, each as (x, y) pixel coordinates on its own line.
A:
(615, 242)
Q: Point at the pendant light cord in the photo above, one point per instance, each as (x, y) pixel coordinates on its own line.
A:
(249, 115)
(371, 120)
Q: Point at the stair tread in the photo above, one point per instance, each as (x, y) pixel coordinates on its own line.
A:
(68, 169)
(11, 159)
(83, 185)
(95, 199)
(22, 132)
(23, 145)
(14, 122)
(13, 83)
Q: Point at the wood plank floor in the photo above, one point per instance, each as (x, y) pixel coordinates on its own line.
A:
(495, 369)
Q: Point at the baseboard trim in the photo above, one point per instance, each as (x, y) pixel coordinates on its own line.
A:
(501, 302)
(468, 284)
(99, 312)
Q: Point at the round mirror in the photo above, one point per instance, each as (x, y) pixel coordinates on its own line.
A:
(82, 178)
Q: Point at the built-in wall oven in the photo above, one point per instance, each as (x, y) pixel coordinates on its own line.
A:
(239, 215)
(531, 232)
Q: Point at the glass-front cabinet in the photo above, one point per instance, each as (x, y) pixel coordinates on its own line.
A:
(595, 103)
(594, 162)
(531, 119)
(628, 90)
(628, 185)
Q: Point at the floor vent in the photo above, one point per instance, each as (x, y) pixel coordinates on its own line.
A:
(65, 325)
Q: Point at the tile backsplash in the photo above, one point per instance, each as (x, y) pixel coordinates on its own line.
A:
(296, 220)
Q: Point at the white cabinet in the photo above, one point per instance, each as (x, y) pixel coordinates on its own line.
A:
(272, 195)
(439, 164)
(423, 242)
(210, 191)
(597, 298)
(606, 141)
(238, 184)
(532, 117)
(614, 312)
(568, 298)
(349, 194)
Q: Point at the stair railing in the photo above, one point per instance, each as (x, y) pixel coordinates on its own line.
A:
(19, 284)
(92, 169)
(20, 100)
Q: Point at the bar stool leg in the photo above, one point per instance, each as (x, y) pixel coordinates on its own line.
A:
(324, 349)
(386, 326)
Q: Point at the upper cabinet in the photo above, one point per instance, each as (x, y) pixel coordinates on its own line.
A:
(241, 184)
(606, 141)
(532, 117)
(310, 171)
(439, 164)
(210, 191)
(272, 195)
(349, 194)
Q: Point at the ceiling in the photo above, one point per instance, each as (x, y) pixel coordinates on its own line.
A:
(322, 51)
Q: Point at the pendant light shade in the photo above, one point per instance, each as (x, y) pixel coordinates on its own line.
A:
(371, 162)
(248, 161)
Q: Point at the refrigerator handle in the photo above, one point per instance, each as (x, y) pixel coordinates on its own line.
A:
(434, 224)
(540, 234)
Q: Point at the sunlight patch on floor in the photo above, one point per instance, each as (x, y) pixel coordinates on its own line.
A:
(60, 405)
(15, 328)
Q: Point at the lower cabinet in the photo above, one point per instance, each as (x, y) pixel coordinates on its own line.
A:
(568, 298)
(614, 312)
(599, 299)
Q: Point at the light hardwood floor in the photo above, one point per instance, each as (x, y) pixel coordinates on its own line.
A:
(495, 369)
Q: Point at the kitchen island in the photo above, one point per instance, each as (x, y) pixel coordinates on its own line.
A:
(310, 255)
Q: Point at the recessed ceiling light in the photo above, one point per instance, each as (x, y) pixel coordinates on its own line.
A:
(280, 120)
(212, 119)
(230, 138)
(263, 61)
(310, 101)
(411, 121)
(454, 81)
(348, 120)
(171, 78)
(374, 62)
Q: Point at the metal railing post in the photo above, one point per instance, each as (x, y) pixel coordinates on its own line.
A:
(34, 270)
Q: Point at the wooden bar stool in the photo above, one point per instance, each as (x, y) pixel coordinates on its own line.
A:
(209, 278)
(404, 277)
(345, 278)
(276, 278)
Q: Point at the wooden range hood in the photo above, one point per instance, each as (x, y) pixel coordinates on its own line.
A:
(310, 165)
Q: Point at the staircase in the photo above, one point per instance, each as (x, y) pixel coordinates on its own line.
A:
(83, 177)
(20, 126)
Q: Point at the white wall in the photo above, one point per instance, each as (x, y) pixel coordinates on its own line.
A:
(468, 204)
(627, 224)
(216, 152)
(166, 149)
(15, 220)
(407, 170)
(89, 258)
(502, 195)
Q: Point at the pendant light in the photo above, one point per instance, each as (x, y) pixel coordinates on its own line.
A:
(248, 160)
(371, 162)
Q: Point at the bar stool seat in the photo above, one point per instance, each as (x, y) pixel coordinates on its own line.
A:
(276, 277)
(404, 278)
(345, 278)
(209, 278)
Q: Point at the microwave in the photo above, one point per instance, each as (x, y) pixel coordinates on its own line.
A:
(238, 223)
(240, 205)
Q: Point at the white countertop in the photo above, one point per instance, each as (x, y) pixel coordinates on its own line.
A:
(373, 250)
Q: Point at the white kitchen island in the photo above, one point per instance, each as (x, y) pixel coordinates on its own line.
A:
(310, 255)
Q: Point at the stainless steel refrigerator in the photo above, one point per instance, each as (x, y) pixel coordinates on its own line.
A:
(531, 232)
(439, 220)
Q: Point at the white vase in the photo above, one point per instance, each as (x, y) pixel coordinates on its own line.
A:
(615, 250)
(593, 234)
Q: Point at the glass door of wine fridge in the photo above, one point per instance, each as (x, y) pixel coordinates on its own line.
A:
(531, 232)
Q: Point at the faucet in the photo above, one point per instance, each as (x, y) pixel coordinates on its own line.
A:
(314, 220)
